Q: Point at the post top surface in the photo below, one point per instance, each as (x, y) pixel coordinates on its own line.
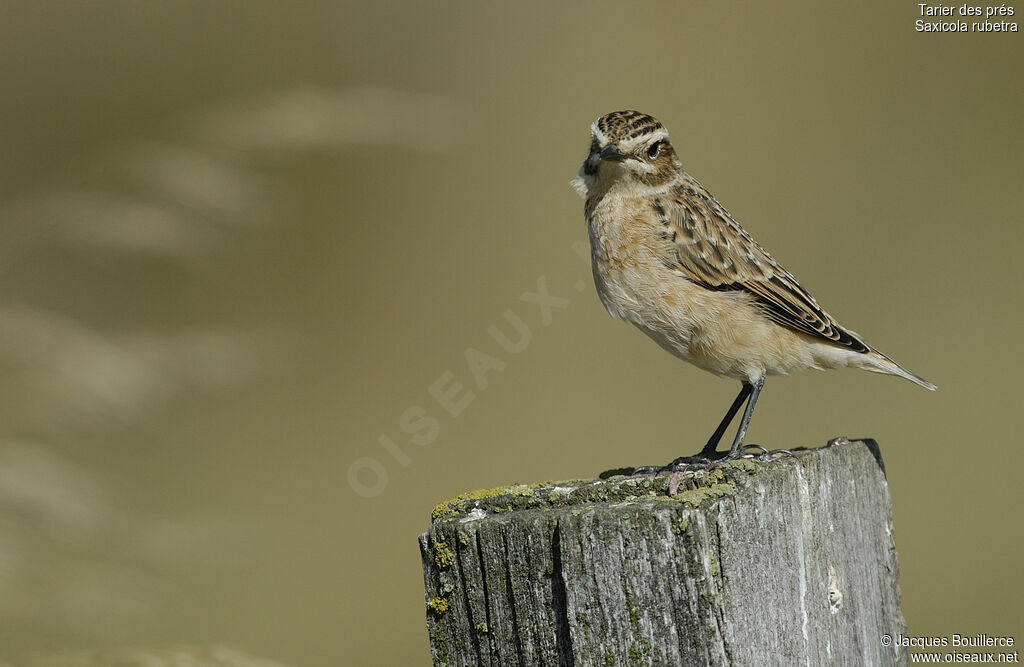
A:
(695, 488)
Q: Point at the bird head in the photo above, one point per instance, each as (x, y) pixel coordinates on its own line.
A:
(627, 149)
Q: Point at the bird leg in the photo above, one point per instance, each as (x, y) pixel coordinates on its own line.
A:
(710, 455)
(709, 450)
(737, 443)
(738, 449)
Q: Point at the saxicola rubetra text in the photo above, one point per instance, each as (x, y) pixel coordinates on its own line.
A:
(670, 259)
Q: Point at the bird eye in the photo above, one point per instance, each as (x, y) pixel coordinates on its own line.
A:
(652, 152)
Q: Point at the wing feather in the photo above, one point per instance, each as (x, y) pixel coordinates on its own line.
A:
(710, 248)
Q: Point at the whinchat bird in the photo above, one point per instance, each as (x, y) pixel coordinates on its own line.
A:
(670, 259)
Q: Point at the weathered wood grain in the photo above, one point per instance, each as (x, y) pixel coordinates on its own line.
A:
(786, 562)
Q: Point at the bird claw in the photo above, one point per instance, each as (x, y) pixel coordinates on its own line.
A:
(699, 462)
(704, 463)
(679, 468)
(689, 464)
(762, 453)
(680, 465)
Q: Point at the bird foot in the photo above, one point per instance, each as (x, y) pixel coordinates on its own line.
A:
(712, 460)
(759, 453)
(707, 461)
(682, 464)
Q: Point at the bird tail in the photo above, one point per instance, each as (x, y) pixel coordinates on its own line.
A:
(879, 363)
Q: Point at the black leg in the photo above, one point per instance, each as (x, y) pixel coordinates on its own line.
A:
(716, 437)
(710, 455)
(741, 432)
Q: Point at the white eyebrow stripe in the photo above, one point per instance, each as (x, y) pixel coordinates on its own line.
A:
(659, 135)
(643, 140)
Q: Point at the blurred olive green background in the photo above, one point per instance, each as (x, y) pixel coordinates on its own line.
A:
(239, 242)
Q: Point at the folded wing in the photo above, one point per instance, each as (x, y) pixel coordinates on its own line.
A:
(710, 248)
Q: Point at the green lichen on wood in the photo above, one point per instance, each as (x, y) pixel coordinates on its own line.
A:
(439, 647)
(695, 488)
(444, 557)
(445, 585)
(634, 615)
(680, 524)
(639, 654)
(745, 465)
(694, 497)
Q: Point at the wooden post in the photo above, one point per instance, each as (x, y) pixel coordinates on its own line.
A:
(785, 562)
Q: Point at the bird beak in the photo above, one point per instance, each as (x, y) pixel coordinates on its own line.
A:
(613, 154)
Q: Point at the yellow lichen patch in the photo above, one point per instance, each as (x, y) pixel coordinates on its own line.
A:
(444, 557)
(438, 605)
(458, 503)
